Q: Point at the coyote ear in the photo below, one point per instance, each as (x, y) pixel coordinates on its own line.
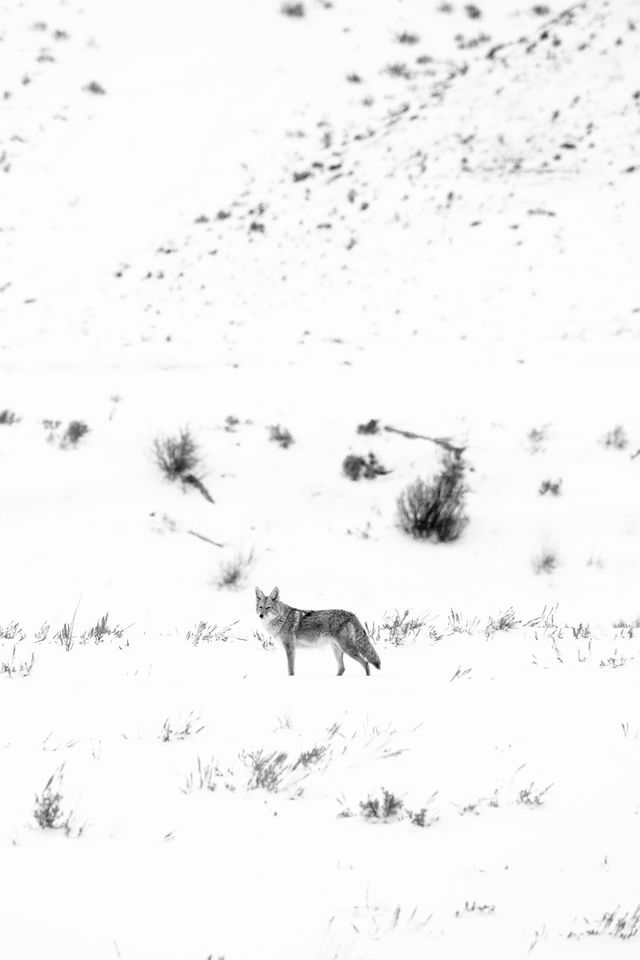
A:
(275, 593)
(259, 594)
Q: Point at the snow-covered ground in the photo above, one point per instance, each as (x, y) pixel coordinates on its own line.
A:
(228, 219)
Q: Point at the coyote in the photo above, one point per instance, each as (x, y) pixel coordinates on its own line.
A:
(315, 628)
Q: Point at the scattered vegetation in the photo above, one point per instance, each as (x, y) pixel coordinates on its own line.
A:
(179, 458)
(554, 487)
(65, 636)
(504, 621)
(545, 561)
(8, 418)
(76, 430)
(12, 631)
(616, 439)
(473, 907)
(205, 632)
(276, 770)
(181, 730)
(421, 817)
(355, 466)
(293, 9)
(531, 796)
(396, 629)
(623, 926)
(457, 624)
(232, 573)
(15, 667)
(265, 641)
(101, 630)
(281, 436)
(436, 510)
(398, 70)
(206, 777)
(536, 438)
(473, 12)
(95, 88)
(49, 812)
(385, 807)
(368, 428)
(408, 38)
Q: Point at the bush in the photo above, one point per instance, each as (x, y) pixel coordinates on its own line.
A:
(385, 807)
(49, 812)
(371, 426)
(616, 439)
(293, 9)
(550, 486)
(177, 456)
(437, 509)
(232, 572)
(354, 466)
(8, 418)
(76, 429)
(545, 562)
(205, 632)
(280, 435)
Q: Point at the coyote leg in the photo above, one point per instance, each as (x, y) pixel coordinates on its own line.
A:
(291, 658)
(339, 655)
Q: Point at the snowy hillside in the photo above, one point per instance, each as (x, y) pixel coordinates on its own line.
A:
(304, 233)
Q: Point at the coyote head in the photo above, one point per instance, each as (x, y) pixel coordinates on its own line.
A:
(267, 607)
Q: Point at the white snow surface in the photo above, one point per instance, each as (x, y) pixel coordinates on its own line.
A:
(253, 219)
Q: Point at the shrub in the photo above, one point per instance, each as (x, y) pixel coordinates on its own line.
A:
(177, 456)
(76, 429)
(355, 466)
(473, 12)
(550, 486)
(233, 572)
(205, 632)
(406, 37)
(504, 621)
(94, 87)
(371, 426)
(436, 510)
(14, 667)
(532, 797)
(397, 629)
(102, 629)
(536, 438)
(8, 418)
(546, 561)
(385, 807)
(293, 9)
(49, 812)
(266, 771)
(281, 436)
(265, 641)
(614, 923)
(182, 730)
(398, 70)
(616, 439)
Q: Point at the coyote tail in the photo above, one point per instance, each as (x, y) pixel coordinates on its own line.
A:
(368, 650)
